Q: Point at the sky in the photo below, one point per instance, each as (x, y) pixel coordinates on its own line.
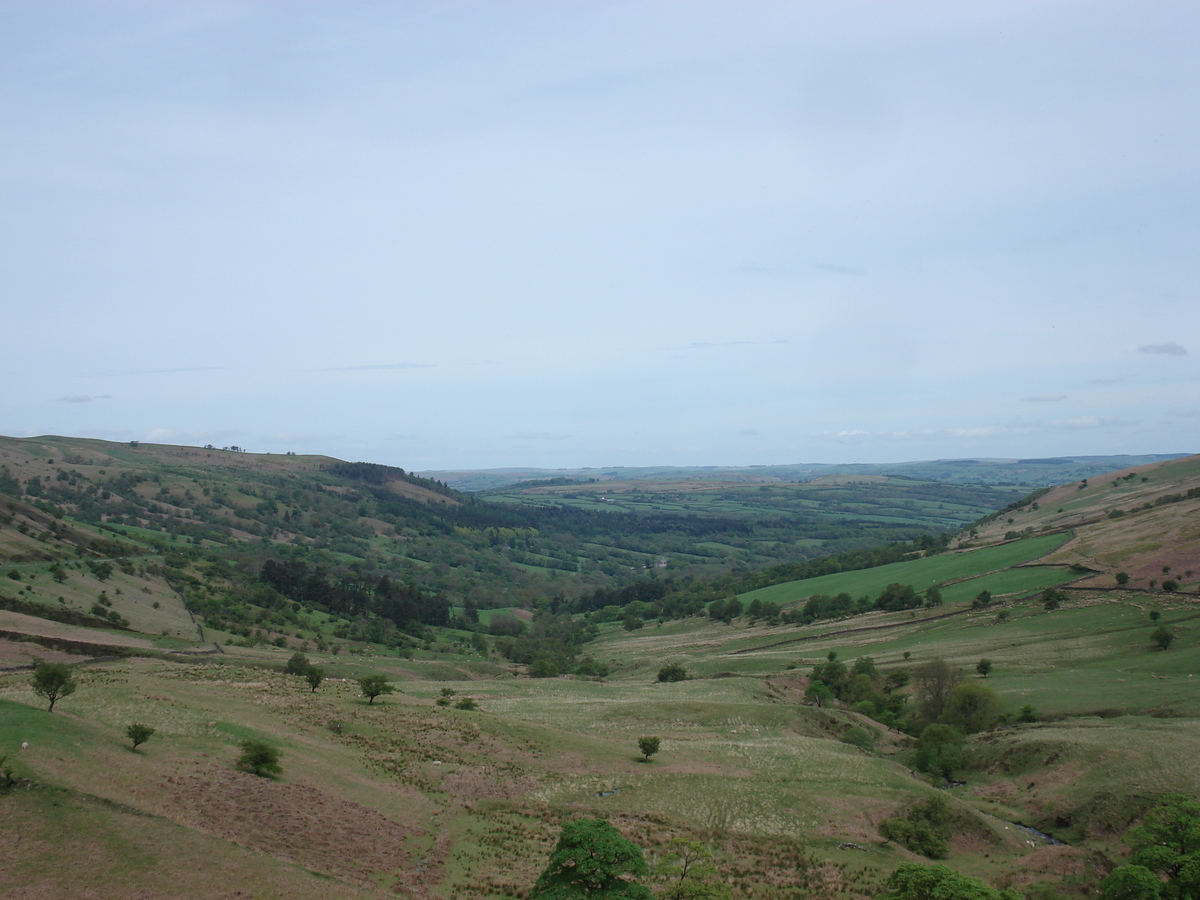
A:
(504, 233)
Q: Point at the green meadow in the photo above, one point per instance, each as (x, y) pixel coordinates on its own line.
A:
(921, 573)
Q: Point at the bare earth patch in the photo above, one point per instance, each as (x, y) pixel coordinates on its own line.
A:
(294, 822)
(13, 621)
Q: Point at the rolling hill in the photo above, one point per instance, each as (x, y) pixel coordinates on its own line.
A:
(410, 795)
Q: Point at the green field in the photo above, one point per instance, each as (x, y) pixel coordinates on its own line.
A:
(921, 573)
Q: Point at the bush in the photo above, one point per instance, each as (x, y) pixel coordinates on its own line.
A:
(649, 746)
(939, 750)
(923, 829)
(260, 758)
(466, 703)
(672, 672)
(913, 881)
(859, 737)
(138, 733)
(1162, 638)
(297, 665)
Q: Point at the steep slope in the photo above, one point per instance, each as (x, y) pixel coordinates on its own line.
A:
(1143, 521)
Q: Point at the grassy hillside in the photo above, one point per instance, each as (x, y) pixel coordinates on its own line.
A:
(412, 796)
(381, 520)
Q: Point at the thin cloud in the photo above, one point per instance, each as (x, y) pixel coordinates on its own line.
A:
(119, 372)
(376, 368)
(1171, 349)
(1044, 398)
(712, 345)
(1179, 411)
(81, 398)
(1104, 380)
(748, 432)
(536, 436)
(840, 270)
(1091, 422)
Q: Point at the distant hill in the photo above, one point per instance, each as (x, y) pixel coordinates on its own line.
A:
(1020, 472)
(1143, 520)
(352, 523)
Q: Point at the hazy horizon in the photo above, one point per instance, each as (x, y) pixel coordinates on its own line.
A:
(464, 235)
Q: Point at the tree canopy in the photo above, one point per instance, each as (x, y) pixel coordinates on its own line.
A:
(914, 881)
(1165, 846)
(591, 860)
(374, 685)
(53, 681)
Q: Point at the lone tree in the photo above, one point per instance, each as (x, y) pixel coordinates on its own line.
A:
(260, 758)
(1163, 638)
(983, 667)
(314, 675)
(691, 875)
(589, 861)
(53, 681)
(649, 746)
(138, 733)
(297, 665)
(374, 685)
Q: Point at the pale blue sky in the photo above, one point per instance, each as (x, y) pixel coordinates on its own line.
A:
(445, 234)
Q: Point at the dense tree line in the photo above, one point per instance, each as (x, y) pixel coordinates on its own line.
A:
(353, 596)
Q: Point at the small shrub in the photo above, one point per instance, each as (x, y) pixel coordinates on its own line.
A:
(649, 746)
(672, 672)
(859, 737)
(314, 675)
(260, 758)
(923, 829)
(138, 733)
(466, 703)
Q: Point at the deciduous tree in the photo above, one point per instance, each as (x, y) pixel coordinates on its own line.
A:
(592, 860)
(260, 758)
(138, 733)
(1167, 845)
(373, 686)
(649, 746)
(314, 675)
(53, 681)
(913, 881)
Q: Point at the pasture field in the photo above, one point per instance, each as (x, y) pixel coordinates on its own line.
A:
(920, 573)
